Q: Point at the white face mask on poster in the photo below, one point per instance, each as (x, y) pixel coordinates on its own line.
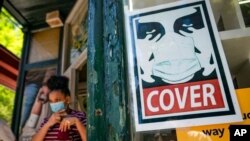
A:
(175, 59)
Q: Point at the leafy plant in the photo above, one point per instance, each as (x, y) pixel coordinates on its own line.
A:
(6, 103)
(11, 35)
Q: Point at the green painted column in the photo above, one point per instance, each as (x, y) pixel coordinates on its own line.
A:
(108, 112)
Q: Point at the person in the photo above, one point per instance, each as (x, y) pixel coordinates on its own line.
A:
(5, 132)
(32, 93)
(65, 123)
(33, 115)
(39, 111)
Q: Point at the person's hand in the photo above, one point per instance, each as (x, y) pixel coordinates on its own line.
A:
(43, 94)
(67, 122)
(56, 118)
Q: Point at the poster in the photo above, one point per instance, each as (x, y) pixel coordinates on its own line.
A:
(222, 132)
(178, 73)
(35, 102)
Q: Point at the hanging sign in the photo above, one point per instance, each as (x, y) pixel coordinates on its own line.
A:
(239, 131)
(178, 72)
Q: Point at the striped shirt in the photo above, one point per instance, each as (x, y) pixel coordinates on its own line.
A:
(54, 134)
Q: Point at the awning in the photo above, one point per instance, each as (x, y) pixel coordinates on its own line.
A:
(9, 64)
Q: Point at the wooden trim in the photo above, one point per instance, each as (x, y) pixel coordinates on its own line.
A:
(60, 55)
(9, 64)
(9, 54)
(80, 9)
(79, 63)
(8, 67)
(8, 82)
(73, 88)
(80, 4)
(42, 64)
(65, 49)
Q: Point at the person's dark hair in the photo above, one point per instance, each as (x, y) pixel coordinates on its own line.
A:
(59, 83)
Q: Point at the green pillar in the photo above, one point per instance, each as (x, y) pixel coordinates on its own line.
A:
(108, 113)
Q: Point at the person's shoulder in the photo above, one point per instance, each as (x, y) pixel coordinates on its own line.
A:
(78, 113)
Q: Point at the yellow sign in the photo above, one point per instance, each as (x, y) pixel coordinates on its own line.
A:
(217, 132)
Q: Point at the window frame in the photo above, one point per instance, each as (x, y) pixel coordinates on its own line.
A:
(67, 69)
(80, 9)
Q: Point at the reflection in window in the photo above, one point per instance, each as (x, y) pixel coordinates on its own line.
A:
(78, 40)
(44, 45)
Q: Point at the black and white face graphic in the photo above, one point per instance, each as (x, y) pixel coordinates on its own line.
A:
(173, 45)
(178, 72)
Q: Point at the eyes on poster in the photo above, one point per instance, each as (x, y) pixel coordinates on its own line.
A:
(178, 72)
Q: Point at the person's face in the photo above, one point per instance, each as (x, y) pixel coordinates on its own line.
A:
(58, 96)
(167, 42)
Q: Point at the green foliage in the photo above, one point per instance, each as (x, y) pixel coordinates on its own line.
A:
(6, 103)
(11, 35)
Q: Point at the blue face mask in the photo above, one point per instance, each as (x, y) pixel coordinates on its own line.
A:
(55, 107)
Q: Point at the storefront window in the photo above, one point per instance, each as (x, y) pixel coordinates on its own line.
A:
(75, 35)
(78, 38)
(44, 45)
(231, 19)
